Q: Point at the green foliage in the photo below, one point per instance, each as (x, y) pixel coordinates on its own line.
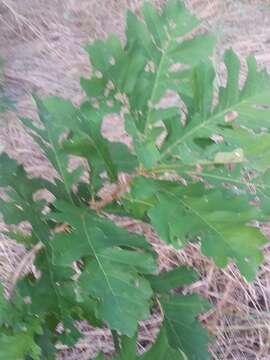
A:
(214, 149)
(219, 217)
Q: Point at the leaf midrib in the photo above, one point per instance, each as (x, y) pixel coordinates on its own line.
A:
(59, 164)
(95, 254)
(157, 78)
(196, 213)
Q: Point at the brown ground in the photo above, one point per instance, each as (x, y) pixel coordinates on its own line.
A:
(41, 42)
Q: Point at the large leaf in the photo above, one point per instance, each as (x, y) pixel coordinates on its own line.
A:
(54, 282)
(238, 119)
(67, 129)
(218, 217)
(161, 41)
(111, 274)
(145, 66)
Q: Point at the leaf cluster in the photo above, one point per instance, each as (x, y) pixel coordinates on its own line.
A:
(213, 148)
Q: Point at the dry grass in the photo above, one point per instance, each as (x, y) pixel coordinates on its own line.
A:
(42, 47)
